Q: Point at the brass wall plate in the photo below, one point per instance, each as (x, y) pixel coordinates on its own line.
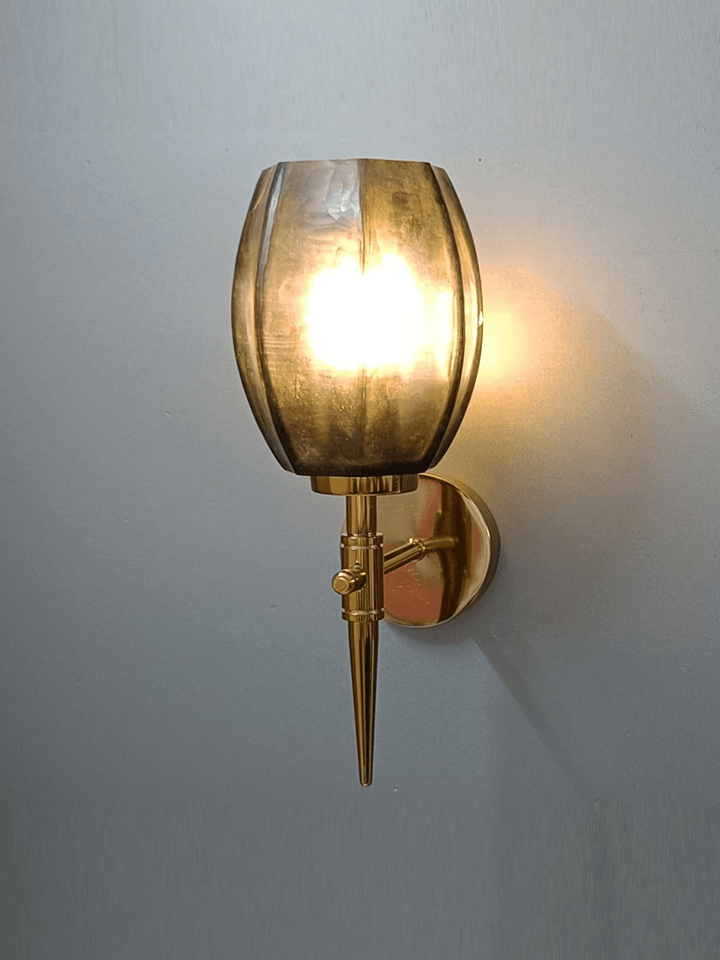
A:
(447, 580)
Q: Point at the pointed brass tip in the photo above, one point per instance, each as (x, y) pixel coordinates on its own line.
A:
(363, 637)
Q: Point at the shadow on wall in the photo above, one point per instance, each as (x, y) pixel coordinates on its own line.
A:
(601, 478)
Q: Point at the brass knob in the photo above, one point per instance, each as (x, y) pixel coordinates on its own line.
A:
(348, 581)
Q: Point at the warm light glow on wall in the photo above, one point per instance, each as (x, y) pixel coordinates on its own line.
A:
(401, 327)
(498, 364)
(509, 341)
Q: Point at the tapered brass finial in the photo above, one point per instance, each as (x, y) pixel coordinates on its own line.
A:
(363, 638)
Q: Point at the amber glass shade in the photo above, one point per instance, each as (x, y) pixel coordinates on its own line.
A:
(357, 315)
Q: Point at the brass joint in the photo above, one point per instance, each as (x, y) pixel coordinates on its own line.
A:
(365, 486)
(348, 581)
(361, 577)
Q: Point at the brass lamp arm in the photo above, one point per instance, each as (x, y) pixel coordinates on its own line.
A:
(415, 549)
(351, 579)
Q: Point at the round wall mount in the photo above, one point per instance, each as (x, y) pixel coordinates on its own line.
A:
(463, 548)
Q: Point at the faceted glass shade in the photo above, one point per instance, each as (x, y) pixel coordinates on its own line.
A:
(357, 315)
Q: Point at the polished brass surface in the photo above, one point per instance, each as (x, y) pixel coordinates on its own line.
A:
(363, 640)
(357, 315)
(361, 515)
(426, 579)
(361, 555)
(461, 545)
(348, 581)
(347, 486)
(413, 550)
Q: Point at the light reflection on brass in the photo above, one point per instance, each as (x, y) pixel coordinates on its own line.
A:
(461, 546)
(415, 549)
(348, 581)
(363, 640)
(347, 486)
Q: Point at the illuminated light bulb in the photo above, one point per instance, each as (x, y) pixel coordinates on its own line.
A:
(386, 321)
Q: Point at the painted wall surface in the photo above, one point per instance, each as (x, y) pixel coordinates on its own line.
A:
(167, 628)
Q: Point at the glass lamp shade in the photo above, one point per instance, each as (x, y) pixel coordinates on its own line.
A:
(357, 315)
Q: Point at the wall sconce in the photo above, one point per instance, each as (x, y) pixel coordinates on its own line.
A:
(357, 320)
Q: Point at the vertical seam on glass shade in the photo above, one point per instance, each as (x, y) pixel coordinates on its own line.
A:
(446, 187)
(267, 229)
(246, 355)
(268, 221)
(437, 440)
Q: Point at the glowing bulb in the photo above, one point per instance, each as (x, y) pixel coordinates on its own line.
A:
(377, 320)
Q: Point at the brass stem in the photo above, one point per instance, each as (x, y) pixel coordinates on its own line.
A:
(361, 513)
(362, 559)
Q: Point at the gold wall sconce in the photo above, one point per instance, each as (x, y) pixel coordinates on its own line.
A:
(357, 321)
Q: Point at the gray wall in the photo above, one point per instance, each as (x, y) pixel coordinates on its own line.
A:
(176, 737)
